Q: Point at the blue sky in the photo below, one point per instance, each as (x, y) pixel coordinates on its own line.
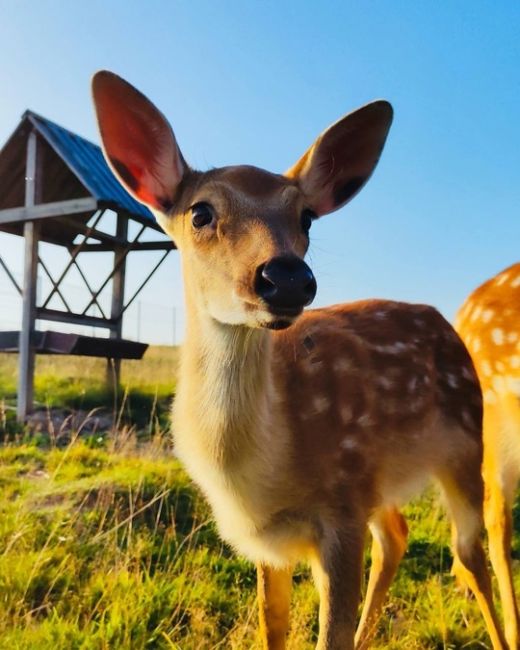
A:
(255, 82)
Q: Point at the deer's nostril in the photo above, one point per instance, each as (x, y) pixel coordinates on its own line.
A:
(310, 288)
(285, 283)
(264, 286)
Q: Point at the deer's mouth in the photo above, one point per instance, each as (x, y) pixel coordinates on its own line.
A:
(269, 317)
(286, 312)
(282, 318)
(278, 324)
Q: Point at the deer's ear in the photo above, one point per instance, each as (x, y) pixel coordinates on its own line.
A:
(138, 142)
(343, 157)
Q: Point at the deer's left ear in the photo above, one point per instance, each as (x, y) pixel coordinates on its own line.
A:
(343, 157)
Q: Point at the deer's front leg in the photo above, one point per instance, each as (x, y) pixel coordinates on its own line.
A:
(274, 597)
(337, 572)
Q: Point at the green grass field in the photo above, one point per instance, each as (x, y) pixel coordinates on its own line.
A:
(105, 543)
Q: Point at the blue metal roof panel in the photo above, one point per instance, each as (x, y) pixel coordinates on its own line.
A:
(88, 163)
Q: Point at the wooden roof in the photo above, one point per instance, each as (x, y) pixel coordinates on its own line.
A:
(72, 170)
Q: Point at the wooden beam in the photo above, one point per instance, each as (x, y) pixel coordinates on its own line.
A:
(45, 210)
(90, 232)
(118, 296)
(119, 260)
(90, 289)
(55, 285)
(145, 281)
(74, 252)
(11, 276)
(27, 333)
(75, 319)
(138, 246)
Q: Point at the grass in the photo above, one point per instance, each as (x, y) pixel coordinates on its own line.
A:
(78, 383)
(105, 543)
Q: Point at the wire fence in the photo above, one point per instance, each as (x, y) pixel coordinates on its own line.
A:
(142, 321)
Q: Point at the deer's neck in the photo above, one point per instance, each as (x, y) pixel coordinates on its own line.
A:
(225, 401)
(230, 432)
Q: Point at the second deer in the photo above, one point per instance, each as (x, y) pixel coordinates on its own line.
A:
(303, 429)
(489, 323)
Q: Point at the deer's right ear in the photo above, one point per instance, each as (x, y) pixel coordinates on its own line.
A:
(138, 142)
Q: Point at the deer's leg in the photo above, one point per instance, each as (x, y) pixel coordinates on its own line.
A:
(337, 572)
(389, 539)
(464, 491)
(274, 597)
(499, 524)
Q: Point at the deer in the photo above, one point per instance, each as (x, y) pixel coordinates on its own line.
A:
(303, 429)
(489, 324)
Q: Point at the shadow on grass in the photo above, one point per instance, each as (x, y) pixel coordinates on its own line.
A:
(424, 558)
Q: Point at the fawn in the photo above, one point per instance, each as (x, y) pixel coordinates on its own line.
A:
(303, 429)
(489, 324)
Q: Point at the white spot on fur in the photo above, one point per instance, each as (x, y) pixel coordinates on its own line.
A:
(476, 313)
(412, 384)
(468, 307)
(499, 384)
(487, 315)
(467, 373)
(342, 365)
(516, 282)
(365, 420)
(497, 335)
(512, 337)
(490, 397)
(311, 367)
(452, 380)
(486, 368)
(476, 344)
(500, 366)
(349, 443)
(345, 413)
(321, 403)
(393, 348)
(514, 362)
(514, 385)
(467, 418)
(502, 278)
(384, 382)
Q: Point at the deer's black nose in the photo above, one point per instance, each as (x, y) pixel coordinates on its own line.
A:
(285, 283)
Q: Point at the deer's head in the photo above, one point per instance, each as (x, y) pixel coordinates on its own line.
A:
(242, 231)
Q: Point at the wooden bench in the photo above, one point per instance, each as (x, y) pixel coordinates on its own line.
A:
(50, 342)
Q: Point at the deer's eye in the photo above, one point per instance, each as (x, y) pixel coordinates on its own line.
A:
(307, 218)
(201, 215)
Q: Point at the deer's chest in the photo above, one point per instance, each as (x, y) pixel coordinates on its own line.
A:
(247, 512)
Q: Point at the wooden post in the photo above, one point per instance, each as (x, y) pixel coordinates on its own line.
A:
(118, 298)
(31, 235)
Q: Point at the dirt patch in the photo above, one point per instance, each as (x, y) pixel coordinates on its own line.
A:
(64, 424)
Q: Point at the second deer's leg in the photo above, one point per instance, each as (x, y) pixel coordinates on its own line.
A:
(389, 537)
(274, 596)
(464, 491)
(337, 572)
(499, 525)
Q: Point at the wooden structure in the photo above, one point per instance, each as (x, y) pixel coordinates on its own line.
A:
(55, 187)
